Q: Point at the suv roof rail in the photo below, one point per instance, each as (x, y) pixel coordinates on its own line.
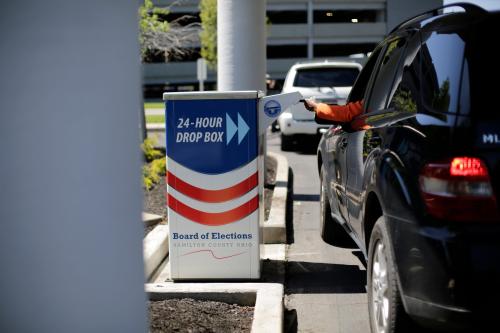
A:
(468, 7)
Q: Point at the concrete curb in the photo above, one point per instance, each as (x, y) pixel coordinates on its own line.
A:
(275, 226)
(155, 248)
(151, 219)
(267, 298)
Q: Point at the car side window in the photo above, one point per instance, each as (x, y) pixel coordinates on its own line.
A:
(386, 74)
(359, 89)
(404, 95)
(442, 61)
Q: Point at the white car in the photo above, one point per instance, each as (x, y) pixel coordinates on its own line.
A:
(327, 81)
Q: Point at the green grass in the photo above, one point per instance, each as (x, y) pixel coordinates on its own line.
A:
(154, 105)
(155, 119)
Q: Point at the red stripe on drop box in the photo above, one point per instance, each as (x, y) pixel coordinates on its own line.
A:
(212, 196)
(213, 219)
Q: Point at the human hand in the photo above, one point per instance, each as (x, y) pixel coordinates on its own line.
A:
(310, 104)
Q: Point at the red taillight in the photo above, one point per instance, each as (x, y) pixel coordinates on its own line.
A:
(468, 166)
(459, 189)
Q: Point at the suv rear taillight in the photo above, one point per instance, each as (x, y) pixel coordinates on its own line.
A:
(459, 189)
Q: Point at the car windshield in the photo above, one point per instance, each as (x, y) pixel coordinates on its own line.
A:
(326, 77)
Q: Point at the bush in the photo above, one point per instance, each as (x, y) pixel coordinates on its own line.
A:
(150, 153)
(153, 171)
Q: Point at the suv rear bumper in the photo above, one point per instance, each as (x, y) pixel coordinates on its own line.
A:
(448, 273)
(436, 315)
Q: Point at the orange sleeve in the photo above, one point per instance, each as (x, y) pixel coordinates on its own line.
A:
(339, 113)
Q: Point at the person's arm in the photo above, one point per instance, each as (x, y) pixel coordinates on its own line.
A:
(337, 113)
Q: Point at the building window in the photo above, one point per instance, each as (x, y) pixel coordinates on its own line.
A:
(286, 51)
(287, 17)
(341, 50)
(191, 54)
(153, 56)
(183, 18)
(344, 16)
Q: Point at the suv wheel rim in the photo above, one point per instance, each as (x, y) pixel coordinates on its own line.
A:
(380, 299)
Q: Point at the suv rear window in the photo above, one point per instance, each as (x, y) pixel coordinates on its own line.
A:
(325, 77)
(459, 69)
(480, 83)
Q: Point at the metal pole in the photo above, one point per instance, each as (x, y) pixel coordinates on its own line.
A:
(241, 45)
(71, 234)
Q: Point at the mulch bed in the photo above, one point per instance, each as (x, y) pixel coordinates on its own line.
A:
(193, 316)
(155, 201)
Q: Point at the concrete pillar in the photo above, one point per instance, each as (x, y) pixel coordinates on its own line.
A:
(70, 231)
(241, 45)
(310, 30)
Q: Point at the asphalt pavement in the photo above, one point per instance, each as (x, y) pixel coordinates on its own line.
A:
(325, 285)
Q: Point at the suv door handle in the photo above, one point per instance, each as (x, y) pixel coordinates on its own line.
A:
(343, 143)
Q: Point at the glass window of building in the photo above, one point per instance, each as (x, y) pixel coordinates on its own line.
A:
(287, 16)
(341, 50)
(344, 16)
(286, 51)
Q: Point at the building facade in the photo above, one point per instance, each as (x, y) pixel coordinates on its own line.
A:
(298, 30)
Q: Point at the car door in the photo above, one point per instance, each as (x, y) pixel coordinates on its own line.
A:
(366, 140)
(336, 148)
(334, 159)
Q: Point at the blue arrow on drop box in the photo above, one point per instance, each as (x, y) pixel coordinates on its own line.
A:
(242, 128)
(231, 129)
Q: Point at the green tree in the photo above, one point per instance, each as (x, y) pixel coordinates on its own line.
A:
(150, 23)
(156, 34)
(208, 34)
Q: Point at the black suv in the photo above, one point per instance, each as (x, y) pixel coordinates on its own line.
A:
(414, 179)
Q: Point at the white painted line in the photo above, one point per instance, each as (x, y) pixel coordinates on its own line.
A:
(276, 252)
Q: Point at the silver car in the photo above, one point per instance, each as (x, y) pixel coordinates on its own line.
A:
(326, 81)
